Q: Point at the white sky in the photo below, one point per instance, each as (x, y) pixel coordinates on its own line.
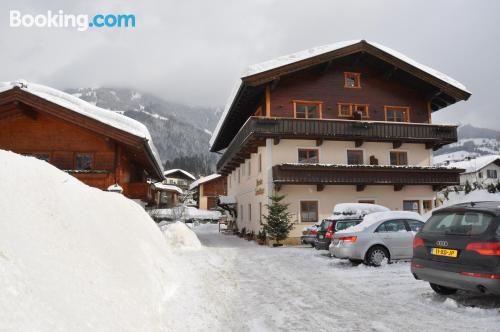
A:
(193, 51)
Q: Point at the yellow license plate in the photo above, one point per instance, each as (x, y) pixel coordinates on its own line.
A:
(444, 252)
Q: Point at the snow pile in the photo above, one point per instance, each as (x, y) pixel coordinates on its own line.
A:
(74, 257)
(197, 214)
(180, 236)
(175, 170)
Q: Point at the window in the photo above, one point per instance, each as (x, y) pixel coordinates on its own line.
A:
(260, 163)
(355, 157)
(347, 110)
(307, 109)
(458, 223)
(308, 156)
(399, 158)
(352, 80)
(249, 212)
(83, 161)
(367, 201)
(411, 206)
(397, 113)
(362, 109)
(491, 173)
(392, 226)
(309, 211)
(415, 225)
(241, 212)
(480, 175)
(239, 175)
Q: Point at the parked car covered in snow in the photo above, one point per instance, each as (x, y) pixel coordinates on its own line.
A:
(459, 248)
(379, 237)
(350, 213)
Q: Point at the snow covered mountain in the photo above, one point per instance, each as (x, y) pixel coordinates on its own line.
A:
(181, 133)
(472, 142)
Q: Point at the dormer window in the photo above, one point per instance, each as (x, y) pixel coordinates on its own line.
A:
(352, 80)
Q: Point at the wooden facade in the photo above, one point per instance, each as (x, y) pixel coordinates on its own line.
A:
(97, 154)
(208, 192)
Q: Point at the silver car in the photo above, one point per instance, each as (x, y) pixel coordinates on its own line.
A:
(379, 237)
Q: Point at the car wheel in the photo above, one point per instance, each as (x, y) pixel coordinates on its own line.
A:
(442, 290)
(376, 256)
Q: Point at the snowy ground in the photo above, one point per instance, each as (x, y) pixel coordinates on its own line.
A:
(237, 285)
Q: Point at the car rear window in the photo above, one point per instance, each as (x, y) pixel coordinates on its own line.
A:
(458, 223)
(325, 224)
(341, 225)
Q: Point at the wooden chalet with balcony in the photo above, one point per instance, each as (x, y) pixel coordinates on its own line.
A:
(99, 147)
(347, 122)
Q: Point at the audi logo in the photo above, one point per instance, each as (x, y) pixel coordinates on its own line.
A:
(442, 243)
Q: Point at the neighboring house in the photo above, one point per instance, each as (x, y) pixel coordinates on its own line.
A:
(348, 122)
(178, 177)
(166, 195)
(208, 189)
(482, 170)
(97, 146)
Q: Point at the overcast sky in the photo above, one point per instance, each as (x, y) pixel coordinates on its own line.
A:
(193, 51)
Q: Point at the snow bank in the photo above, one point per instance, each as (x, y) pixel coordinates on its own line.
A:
(181, 236)
(74, 257)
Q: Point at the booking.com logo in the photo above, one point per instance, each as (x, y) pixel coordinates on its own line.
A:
(81, 22)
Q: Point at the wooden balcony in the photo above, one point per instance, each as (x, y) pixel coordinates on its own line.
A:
(363, 175)
(257, 129)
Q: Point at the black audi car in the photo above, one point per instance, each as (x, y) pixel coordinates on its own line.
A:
(459, 248)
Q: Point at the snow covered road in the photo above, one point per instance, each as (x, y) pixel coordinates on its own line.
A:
(235, 285)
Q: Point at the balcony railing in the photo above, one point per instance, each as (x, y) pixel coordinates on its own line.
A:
(256, 129)
(362, 175)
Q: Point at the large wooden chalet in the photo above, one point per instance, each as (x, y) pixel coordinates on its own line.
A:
(347, 122)
(99, 147)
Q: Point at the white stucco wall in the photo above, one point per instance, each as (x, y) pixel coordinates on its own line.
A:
(334, 152)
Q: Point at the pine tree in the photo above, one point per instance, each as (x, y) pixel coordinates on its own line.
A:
(278, 222)
(491, 188)
(468, 187)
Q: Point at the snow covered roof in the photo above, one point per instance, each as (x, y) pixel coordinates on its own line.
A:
(227, 200)
(203, 180)
(319, 50)
(167, 187)
(476, 164)
(75, 104)
(186, 173)
(293, 58)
